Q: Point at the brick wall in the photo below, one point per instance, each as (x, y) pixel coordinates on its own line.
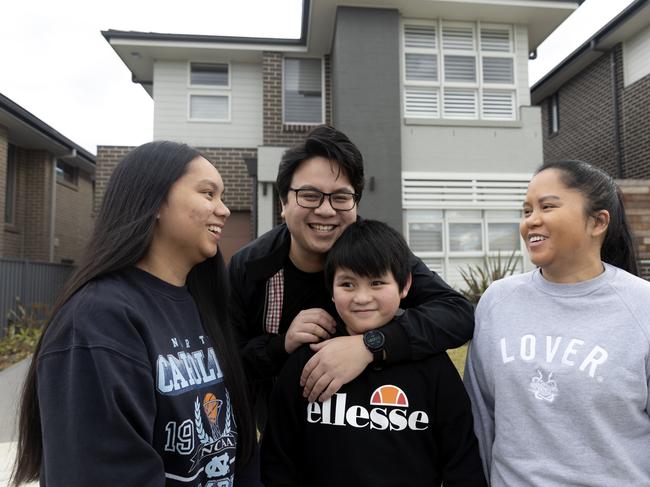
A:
(636, 197)
(586, 124)
(229, 162)
(74, 222)
(108, 156)
(276, 133)
(4, 147)
(37, 168)
(635, 127)
(587, 129)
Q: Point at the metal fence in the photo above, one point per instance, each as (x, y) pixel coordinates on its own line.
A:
(31, 282)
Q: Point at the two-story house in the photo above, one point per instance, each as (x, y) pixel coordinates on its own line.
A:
(434, 92)
(596, 107)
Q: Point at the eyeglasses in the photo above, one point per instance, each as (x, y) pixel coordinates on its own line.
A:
(312, 198)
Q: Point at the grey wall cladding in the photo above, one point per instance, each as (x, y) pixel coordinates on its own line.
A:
(366, 103)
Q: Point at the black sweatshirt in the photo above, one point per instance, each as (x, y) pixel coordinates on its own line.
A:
(130, 390)
(406, 424)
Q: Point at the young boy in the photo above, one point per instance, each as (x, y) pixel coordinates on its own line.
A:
(397, 424)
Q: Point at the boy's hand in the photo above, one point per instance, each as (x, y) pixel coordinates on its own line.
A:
(309, 326)
(337, 362)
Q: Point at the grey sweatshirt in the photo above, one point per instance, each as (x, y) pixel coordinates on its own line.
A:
(558, 375)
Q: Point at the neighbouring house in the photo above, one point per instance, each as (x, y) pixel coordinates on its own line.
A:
(46, 183)
(596, 107)
(435, 94)
(46, 197)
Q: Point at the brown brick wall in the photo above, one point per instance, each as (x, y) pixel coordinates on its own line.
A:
(4, 147)
(587, 129)
(275, 132)
(37, 168)
(636, 197)
(108, 156)
(635, 127)
(586, 124)
(74, 206)
(229, 162)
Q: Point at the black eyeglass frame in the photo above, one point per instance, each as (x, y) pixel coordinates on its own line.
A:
(355, 198)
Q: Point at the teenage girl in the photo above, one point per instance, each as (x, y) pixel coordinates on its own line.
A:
(136, 381)
(558, 370)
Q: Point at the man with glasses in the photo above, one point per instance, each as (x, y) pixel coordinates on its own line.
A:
(279, 298)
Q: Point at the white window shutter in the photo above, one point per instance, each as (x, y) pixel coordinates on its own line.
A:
(458, 38)
(460, 68)
(459, 103)
(421, 67)
(498, 105)
(208, 107)
(422, 103)
(303, 90)
(425, 237)
(498, 70)
(495, 39)
(420, 36)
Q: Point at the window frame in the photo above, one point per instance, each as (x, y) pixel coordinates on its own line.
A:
(74, 170)
(322, 91)
(438, 88)
(222, 91)
(208, 120)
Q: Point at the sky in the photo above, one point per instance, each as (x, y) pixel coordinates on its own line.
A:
(58, 66)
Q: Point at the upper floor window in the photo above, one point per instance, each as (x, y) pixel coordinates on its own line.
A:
(66, 173)
(209, 100)
(554, 113)
(458, 70)
(205, 74)
(10, 190)
(303, 91)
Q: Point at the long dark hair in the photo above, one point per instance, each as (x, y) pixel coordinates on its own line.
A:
(601, 193)
(123, 232)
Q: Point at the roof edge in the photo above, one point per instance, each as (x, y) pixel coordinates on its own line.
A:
(36, 123)
(590, 43)
(112, 34)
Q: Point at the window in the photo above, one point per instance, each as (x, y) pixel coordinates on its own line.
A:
(554, 114)
(209, 98)
(204, 74)
(452, 239)
(66, 173)
(10, 195)
(211, 108)
(458, 70)
(303, 91)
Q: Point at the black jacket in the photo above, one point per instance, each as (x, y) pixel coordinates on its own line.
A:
(406, 424)
(436, 317)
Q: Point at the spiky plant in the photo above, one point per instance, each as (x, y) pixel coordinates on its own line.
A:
(478, 277)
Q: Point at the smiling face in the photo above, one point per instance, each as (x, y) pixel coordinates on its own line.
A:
(365, 303)
(560, 237)
(192, 217)
(314, 230)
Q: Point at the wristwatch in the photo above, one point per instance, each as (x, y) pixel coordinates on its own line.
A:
(374, 341)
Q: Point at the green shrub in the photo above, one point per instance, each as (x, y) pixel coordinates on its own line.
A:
(24, 329)
(478, 277)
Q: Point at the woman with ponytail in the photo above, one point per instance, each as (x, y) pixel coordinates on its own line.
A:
(136, 380)
(559, 367)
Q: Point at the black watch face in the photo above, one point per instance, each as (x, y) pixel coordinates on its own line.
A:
(374, 339)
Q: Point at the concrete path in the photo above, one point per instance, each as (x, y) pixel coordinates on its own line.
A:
(11, 385)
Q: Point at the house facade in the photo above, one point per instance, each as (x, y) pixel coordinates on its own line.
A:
(434, 93)
(596, 107)
(46, 190)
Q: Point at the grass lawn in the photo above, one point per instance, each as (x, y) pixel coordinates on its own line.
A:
(457, 356)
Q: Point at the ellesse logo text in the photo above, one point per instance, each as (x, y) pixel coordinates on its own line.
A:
(391, 412)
